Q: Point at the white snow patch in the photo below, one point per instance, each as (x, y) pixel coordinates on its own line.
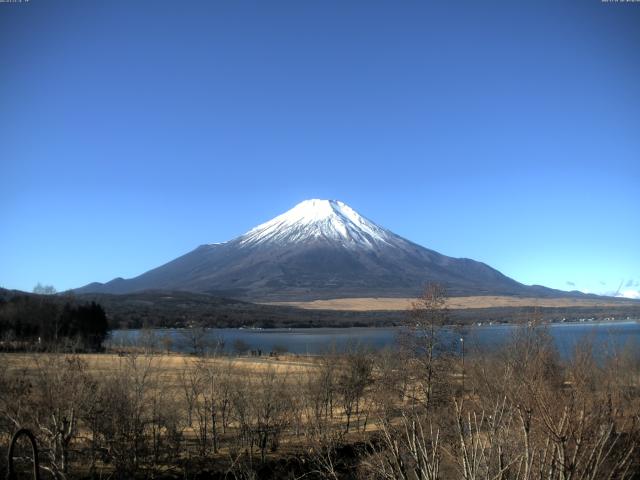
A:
(319, 219)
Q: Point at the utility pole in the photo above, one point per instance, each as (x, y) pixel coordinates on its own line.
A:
(462, 343)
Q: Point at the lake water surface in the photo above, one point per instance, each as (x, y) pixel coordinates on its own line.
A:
(605, 336)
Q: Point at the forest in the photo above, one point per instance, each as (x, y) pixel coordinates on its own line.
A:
(42, 322)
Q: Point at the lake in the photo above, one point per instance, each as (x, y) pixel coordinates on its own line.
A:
(606, 337)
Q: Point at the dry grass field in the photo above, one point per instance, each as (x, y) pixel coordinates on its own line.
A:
(454, 303)
(167, 366)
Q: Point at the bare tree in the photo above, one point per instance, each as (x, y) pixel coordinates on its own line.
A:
(410, 448)
(262, 411)
(41, 289)
(321, 385)
(65, 388)
(191, 380)
(428, 314)
(353, 378)
(271, 407)
(212, 400)
(240, 347)
(197, 340)
(125, 400)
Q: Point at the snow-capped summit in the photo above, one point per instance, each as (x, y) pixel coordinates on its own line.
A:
(317, 220)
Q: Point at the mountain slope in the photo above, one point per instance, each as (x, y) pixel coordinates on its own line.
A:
(319, 249)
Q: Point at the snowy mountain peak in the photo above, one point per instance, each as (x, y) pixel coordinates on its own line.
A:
(319, 220)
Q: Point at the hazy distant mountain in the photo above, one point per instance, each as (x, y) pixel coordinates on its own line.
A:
(319, 249)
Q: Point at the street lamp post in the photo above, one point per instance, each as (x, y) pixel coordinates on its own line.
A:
(462, 343)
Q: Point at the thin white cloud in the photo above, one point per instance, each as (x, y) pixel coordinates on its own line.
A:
(629, 293)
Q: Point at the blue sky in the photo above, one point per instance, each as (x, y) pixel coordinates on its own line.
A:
(507, 132)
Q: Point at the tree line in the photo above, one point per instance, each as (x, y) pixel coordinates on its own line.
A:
(40, 322)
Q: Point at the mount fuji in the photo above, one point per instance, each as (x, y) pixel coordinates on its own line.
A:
(319, 249)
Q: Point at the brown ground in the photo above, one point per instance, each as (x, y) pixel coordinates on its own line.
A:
(455, 303)
(166, 364)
